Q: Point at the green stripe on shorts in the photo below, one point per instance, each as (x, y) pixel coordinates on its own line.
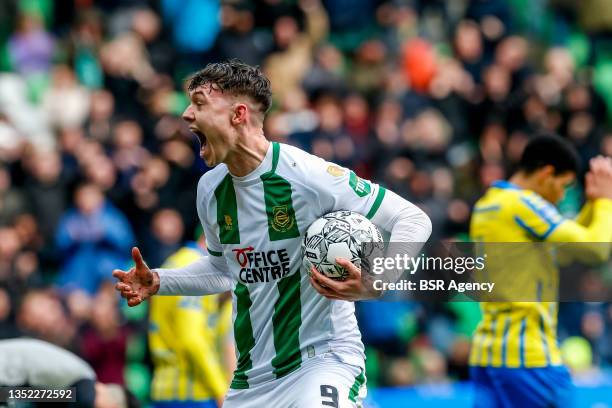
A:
(354, 392)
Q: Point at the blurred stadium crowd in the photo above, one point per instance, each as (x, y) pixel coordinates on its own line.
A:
(434, 99)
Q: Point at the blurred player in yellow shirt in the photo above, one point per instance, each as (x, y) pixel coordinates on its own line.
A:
(191, 343)
(515, 358)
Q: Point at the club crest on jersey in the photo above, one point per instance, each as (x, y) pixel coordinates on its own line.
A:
(282, 221)
(335, 171)
(229, 225)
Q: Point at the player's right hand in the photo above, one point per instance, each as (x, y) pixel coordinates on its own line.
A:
(139, 283)
(599, 178)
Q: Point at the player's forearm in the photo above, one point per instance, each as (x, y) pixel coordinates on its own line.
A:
(202, 277)
(600, 229)
(410, 227)
(596, 237)
(601, 219)
(585, 215)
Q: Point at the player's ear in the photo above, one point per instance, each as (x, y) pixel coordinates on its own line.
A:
(240, 114)
(546, 171)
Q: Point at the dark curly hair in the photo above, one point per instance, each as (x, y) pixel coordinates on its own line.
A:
(235, 78)
(550, 149)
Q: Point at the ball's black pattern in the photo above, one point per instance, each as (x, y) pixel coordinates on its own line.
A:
(337, 234)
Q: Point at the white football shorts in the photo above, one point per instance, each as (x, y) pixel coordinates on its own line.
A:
(322, 381)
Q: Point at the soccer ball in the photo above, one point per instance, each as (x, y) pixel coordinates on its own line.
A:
(338, 234)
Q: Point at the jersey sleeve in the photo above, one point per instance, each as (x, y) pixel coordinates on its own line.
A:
(213, 245)
(536, 216)
(593, 226)
(339, 188)
(212, 240)
(597, 229)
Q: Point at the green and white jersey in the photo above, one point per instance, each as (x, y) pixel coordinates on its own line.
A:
(255, 223)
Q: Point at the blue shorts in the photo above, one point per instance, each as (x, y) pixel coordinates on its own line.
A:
(184, 404)
(546, 387)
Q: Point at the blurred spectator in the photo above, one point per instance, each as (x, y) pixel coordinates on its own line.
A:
(12, 200)
(148, 26)
(93, 238)
(194, 23)
(351, 21)
(327, 74)
(46, 189)
(595, 16)
(74, 108)
(41, 315)
(21, 120)
(369, 72)
(8, 328)
(165, 236)
(128, 152)
(30, 47)
(99, 122)
(239, 39)
(292, 58)
(104, 342)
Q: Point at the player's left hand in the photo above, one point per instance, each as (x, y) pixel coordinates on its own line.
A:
(352, 288)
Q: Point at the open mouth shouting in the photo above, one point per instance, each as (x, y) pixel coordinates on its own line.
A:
(202, 139)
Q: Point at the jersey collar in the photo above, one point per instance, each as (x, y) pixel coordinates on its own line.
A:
(264, 166)
(505, 185)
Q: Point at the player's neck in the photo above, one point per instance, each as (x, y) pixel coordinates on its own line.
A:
(247, 156)
(524, 181)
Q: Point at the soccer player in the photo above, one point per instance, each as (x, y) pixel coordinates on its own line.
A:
(297, 339)
(515, 358)
(187, 338)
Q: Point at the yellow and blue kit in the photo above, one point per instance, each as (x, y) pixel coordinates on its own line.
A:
(515, 357)
(185, 337)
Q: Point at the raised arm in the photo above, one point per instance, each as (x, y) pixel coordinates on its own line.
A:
(207, 276)
(203, 277)
(593, 226)
(589, 237)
